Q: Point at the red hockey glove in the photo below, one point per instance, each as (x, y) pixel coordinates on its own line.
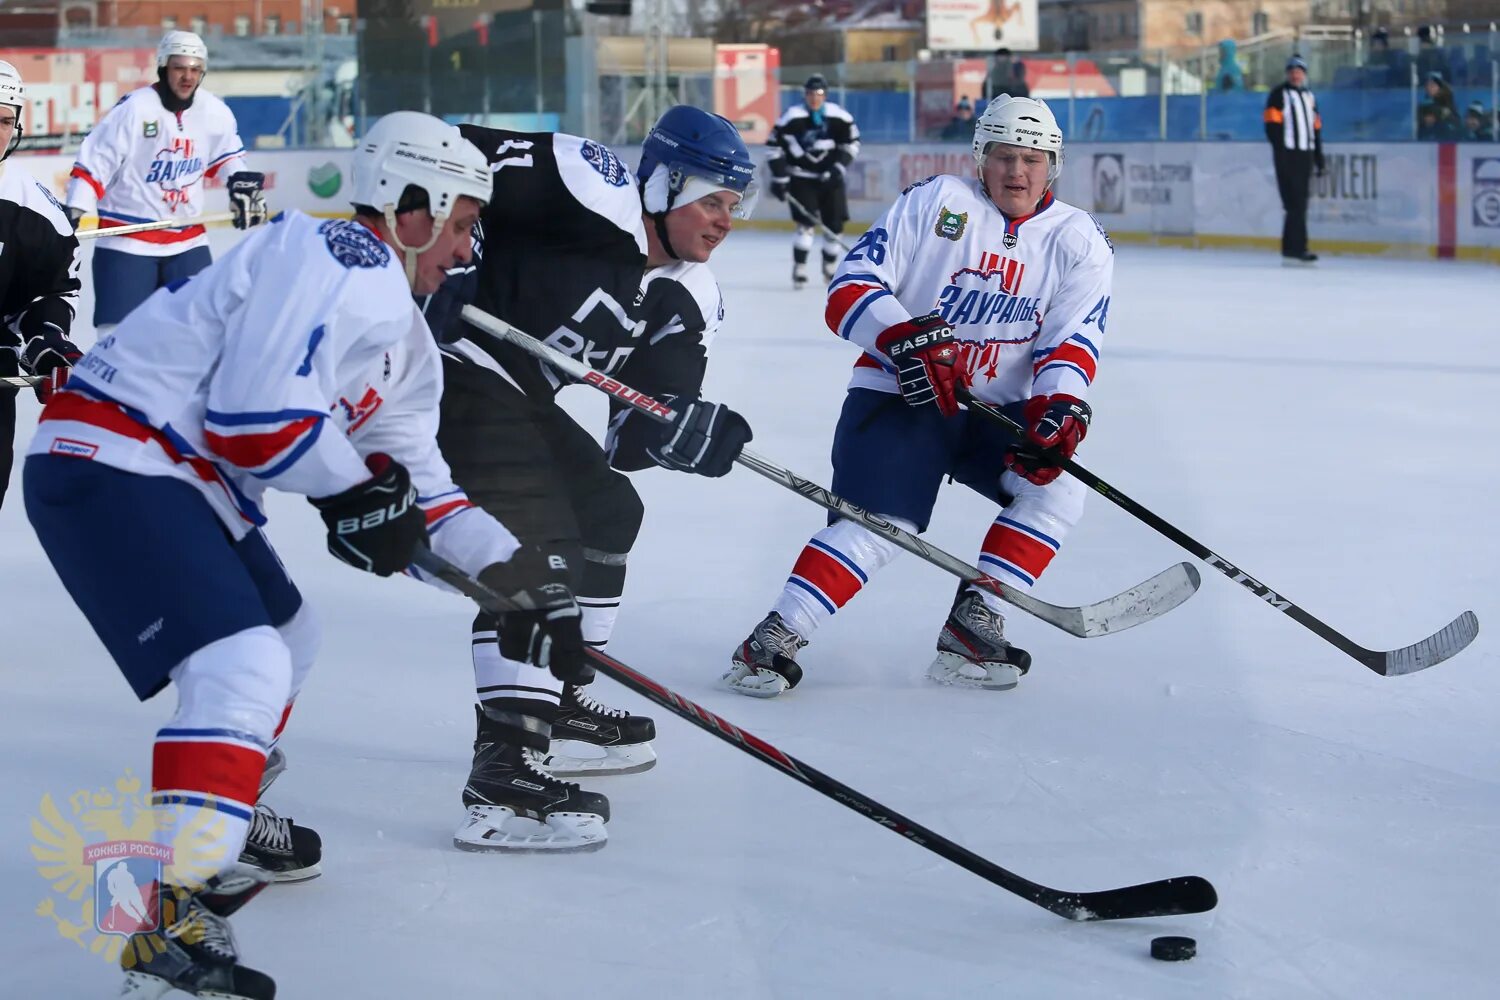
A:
(926, 360)
(1054, 426)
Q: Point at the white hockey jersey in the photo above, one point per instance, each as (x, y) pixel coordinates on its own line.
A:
(1028, 298)
(143, 163)
(282, 365)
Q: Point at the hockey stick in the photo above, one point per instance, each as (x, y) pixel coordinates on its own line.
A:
(816, 222)
(21, 381)
(146, 227)
(1151, 599)
(1165, 898)
(1447, 641)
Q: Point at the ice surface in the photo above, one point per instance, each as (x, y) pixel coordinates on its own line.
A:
(1330, 430)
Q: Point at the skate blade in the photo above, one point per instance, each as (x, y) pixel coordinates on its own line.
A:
(755, 684)
(953, 670)
(563, 760)
(139, 986)
(498, 830)
(307, 874)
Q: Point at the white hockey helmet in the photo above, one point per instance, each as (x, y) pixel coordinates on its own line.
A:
(181, 43)
(12, 90)
(409, 149)
(1019, 121)
(12, 94)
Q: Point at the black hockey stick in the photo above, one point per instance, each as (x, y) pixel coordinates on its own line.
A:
(1168, 897)
(1139, 604)
(814, 216)
(1447, 641)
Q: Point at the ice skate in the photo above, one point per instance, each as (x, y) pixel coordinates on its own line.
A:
(513, 805)
(591, 738)
(282, 849)
(830, 265)
(194, 951)
(799, 275)
(765, 664)
(972, 651)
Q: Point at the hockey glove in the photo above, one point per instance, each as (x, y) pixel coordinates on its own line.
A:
(705, 438)
(247, 198)
(778, 187)
(546, 631)
(926, 360)
(75, 216)
(377, 525)
(1054, 426)
(833, 176)
(51, 359)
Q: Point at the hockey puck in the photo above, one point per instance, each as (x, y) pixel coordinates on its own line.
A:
(1173, 949)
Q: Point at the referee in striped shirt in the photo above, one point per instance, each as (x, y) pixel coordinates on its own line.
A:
(1295, 131)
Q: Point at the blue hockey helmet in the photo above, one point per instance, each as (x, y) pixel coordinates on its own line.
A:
(690, 154)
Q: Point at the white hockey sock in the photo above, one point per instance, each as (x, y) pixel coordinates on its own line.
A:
(528, 689)
(834, 565)
(1026, 535)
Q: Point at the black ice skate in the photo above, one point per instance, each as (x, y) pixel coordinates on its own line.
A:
(765, 664)
(282, 849)
(799, 275)
(194, 951)
(591, 738)
(972, 651)
(516, 806)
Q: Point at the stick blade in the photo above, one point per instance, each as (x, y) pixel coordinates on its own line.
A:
(1140, 604)
(1447, 641)
(1166, 898)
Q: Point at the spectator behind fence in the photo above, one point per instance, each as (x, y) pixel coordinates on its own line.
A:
(1295, 131)
(1380, 49)
(1231, 76)
(1430, 58)
(1479, 124)
(1007, 75)
(961, 127)
(1437, 119)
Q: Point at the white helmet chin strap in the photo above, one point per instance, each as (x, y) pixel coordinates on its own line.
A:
(410, 254)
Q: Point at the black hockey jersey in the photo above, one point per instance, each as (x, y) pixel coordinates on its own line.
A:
(38, 270)
(559, 252)
(809, 143)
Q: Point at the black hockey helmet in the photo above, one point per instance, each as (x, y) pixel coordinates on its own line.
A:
(816, 82)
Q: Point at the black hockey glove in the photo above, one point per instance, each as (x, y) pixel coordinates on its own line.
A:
(247, 198)
(547, 630)
(51, 358)
(779, 186)
(705, 438)
(377, 525)
(833, 176)
(75, 216)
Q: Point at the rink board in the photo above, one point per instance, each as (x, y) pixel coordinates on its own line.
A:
(1405, 200)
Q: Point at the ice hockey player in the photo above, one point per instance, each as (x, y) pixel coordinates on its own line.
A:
(811, 148)
(146, 161)
(988, 284)
(298, 362)
(38, 274)
(567, 237)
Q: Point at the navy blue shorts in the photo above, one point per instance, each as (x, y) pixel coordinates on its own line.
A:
(150, 565)
(123, 281)
(890, 458)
